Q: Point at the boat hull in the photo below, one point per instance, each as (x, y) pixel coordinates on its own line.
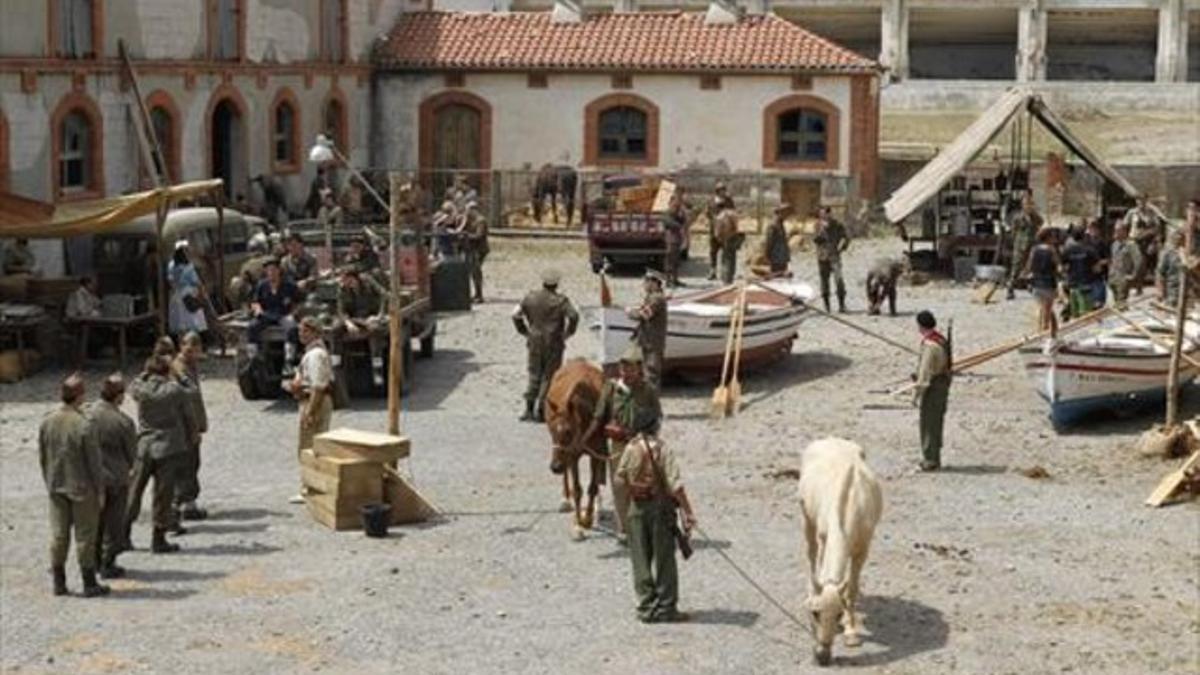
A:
(697, 334)
(1082, 383)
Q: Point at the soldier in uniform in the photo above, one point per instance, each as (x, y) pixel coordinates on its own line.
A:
(1149, 230)
(932, 389)
(832, 241)
(18, 259)
(730, 240)
(313, 388)
(651, 333)
(241, 287)
(165, 414)
(330, 214)
(115, 435)
(362, 307)
(1124, 263)
(1024, 227)
(474, 233)
(720, 202)
(775, 244)
(186, 367)
(299, 265)
(362, 256)
(1171, 269)
(71, 468)
(881, 284)
(650, 471)
(546, 318)
(676, 228)
(628, 406)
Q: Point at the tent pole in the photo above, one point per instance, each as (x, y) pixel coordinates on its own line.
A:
(395, 325)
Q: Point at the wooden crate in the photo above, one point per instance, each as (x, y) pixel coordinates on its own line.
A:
(363, 445)
(334, 520)
(339, 475)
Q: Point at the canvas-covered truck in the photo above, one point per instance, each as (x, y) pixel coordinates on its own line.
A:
(356, 374)
(624, 217)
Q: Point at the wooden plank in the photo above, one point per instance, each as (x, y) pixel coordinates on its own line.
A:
(408, 506)
(340, 504)
(983, 294)
(334, 521)
(362, 445)
(370, 487)
(341, 468)
(1171, 482)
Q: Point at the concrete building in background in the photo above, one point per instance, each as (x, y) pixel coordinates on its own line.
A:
(650, 91)
(234, 88)
(1126, 72)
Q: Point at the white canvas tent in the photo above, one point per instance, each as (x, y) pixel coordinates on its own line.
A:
(956, 156)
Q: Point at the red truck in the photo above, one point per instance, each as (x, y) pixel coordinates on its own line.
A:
(622, 224)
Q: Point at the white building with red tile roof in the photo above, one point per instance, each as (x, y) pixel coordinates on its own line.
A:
(655, 91)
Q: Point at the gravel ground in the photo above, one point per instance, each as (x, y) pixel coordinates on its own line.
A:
(978, 569)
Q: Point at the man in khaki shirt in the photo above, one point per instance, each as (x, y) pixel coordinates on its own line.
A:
(71, 469)
(651, 473)
(932, 390)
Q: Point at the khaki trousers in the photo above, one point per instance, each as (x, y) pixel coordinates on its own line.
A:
(324, 414)
(82, 516)
(165, 473)
(620, 490)
(110, 537)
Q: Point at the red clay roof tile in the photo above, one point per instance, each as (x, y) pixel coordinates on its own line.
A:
(636, 41)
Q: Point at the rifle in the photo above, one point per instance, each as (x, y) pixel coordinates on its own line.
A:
(682, 539)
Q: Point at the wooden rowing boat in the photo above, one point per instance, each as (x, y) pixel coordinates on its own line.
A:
(1113, 366)
(698, 326)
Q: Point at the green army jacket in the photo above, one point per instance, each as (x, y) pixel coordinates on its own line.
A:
(69, 456)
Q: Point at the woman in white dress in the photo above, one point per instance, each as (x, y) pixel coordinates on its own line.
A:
(186, 311)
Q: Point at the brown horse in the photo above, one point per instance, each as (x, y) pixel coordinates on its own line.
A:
(554, 181)
(570, 403)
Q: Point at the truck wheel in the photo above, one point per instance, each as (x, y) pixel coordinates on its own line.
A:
(427, 344)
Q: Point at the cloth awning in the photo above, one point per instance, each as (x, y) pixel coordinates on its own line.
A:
(25, 218)
(956, 156)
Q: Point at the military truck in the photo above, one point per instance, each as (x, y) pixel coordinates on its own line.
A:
(624, 218)
(262, 376)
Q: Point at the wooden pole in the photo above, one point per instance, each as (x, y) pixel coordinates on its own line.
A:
(1176, 350)
(152, 153)
(395, 349)
(160, 220)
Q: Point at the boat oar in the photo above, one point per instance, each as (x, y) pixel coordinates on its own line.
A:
(864, 331)
(979, 358)
(735, 385)
(720, 397)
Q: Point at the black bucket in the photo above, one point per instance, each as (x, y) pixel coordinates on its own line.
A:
(376, 518)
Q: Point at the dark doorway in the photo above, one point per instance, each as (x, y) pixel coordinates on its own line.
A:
(457, 138)
(227, 151)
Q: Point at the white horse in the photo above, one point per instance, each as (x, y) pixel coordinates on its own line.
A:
(841, 503)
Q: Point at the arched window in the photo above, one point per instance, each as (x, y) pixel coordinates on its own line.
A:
(802, 136)
(164, 123)
(621, 129)
(333, 123)
(285, 133)
(801, 132)
(75, 149)
(622, 133)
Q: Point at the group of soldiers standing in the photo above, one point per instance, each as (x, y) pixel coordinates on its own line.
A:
(97, 462)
